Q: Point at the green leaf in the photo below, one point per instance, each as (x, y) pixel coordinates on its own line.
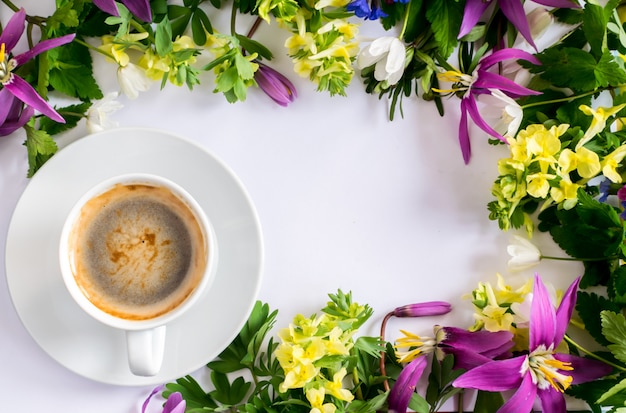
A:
(39, 146)
(71, 72)
(567, 67)
(591, 391)
(72, 115)
(191, 392)
(163, 37)
(445, 17)
(226, 392)
(608, 72)
(614, 329)
(589, 307)
(252, 46)
(619, 390)
(594, 27)
(488, 402)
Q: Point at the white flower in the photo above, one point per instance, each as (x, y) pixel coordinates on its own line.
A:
(502, 113)
(98, 113)
(524, 254)
(539, 20)
(388, 54)
(132, 80)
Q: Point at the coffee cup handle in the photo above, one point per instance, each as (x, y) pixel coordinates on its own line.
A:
(145, 350)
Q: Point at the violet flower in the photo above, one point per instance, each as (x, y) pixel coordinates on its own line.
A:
(542, 372)
(404, 387)
(512, 9)
(422, 309)
(364, 10)
(174, 403)
(275, 85)
(621, 195)
(14, 84)
(13, 113)
(483, 81)
(139, 8)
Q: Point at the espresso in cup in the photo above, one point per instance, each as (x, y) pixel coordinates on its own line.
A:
(137, 251)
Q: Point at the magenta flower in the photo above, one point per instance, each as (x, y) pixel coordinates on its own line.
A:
(139, 8)
(542, 372)
(174, 403)
(512, 9)
(13, 113)
(14, 84)
(275, 85)
(422, 309)
(404, 387)
(481, 82)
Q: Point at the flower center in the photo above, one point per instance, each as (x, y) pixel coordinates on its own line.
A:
(6, 65)
(546, 371)
(415, 346)
(460, 81)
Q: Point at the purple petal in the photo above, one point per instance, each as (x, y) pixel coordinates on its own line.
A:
(488, 80)
(404, 387)
(472, 109)
(585, 370)
(7, 101)
(514, 11)
(175, 404)
(523, 399)
(13, 30)
(497, 375)
(107, 6)
(150, 396)
(552, 401)
(506, 54)
(542, 317)
(471, 14)
(564, 312)
(275, 85)
(423, 309)
(464, 138)
(13, 113)
(139, 8)
(466, 359)
(42, 47)
(563, 4)
(25, 92)
(477, 341)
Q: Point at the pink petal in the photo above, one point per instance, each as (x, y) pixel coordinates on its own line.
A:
(465, 359)
(505, 54)
(471, 14)
(498, 375)
(488, 80)
(404, 387)
(107, 6)
(150, 396)
(25, 92)
(11, 126)
(42, 47)
(13, 30)
(472, 109)
(552, 401)
(140, 8)
(464, 138)
(175, 404)
(523, 399)
(564, 312)
(563, 4)
(6, 104)
(477, 341)
(542, 317)
(423, 309)
(585, 370)
(514, 11)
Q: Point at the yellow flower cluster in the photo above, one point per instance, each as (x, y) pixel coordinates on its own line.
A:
(543, 167)
(310, 354)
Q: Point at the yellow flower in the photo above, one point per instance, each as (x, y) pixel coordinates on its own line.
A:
(155, 66)
(496, 318)
(335, 387)
(538, 184)
(298, 376)
(320, 4)
(598, 123)
(506, 294)
(611, 162)
(116, 47)
(566, 191)
(415, 345)
(316, 399)
(541, 142)
(585, 161)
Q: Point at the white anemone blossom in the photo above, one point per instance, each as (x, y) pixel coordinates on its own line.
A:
(132, 80)
(388, 54)
(524, 254)
(501, 112)
(98, 114)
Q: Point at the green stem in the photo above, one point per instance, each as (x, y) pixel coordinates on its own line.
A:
(10, 5)
(547, 257)
(592, 355)
(87, 45)
(233, 19)
(565, 99)
(406, 20)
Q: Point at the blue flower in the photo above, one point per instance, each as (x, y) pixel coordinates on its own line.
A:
(362, 9)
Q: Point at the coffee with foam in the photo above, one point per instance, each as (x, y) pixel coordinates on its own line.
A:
(137, 251)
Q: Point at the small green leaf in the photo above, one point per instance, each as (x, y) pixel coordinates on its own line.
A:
(163, 37)
(40, 147)
(252, 46)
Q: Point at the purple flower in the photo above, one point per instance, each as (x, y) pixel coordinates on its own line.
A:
(423, 309)
(275, 85)
(14, 84)
(621, 195)
(13, 113)
(404, 387)
(362, 9)
(139, 8)
(512, 9)
(483, 81)
(174, 403)
(542, 372)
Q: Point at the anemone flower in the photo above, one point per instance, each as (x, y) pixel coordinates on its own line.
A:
(275, 85)
(13, 113)
(387, 54)
(512, 9)
(139, 8)
(542, 372)
(11, 82)
(483, 81)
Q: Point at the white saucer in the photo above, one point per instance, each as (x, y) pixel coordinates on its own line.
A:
(46, 309)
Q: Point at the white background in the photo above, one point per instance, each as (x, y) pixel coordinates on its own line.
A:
(346, 198)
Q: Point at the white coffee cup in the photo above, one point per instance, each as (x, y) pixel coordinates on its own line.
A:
(137, 252)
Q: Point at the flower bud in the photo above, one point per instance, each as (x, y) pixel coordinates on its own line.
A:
(275, 85)
(423, 309)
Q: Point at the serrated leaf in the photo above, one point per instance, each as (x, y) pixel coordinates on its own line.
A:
(71, 72)
(594, 24)
(614, 330)
(568, 67)
(40, 147)
(72, 115)
(589, 307)
(445, 17)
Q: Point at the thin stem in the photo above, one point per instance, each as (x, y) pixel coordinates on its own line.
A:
(383, 369)
(233, 19)
(548, 257)
(96, 49)
(406, 20)
(565, 99)
(593, 355)
(10, 5)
